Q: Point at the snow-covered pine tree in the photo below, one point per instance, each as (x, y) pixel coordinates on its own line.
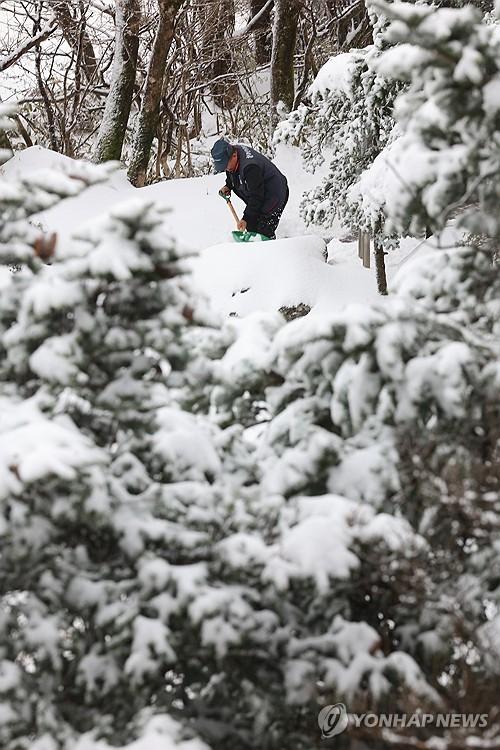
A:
(165, 584)
(378, 475)
(396, 408)
(24, 246)
(348, 121)
(119, 531)
(446, 158)
(50, 478)
(73, 630)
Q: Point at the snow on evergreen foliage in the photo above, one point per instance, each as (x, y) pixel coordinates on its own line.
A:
(98, 336)
(349, 115)
(21, 199)
(415, 383)
(412, 122)
(97, 474)
(201, 547)
(446, 159)
(395, 408)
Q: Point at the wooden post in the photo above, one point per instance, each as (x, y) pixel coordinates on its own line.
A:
(364, 248)
(366, 251)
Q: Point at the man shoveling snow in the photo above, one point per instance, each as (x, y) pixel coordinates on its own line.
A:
(257, 181)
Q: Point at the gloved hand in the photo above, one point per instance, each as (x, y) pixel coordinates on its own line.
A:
(225, 192)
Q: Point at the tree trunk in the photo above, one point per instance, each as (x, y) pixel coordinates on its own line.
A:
(217, 17)
(49, 110)
(147, 121)
(225, 92)
(111, 134)
(76, 36)
(262, 32)
(380, 266)
(286, 18)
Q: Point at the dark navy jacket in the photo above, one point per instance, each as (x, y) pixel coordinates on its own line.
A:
(258, 182)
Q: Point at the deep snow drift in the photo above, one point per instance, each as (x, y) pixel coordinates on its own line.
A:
(288, 271)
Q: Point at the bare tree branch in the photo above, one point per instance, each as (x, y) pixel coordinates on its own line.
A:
(8, 60)
(253, 21)
(74, 32)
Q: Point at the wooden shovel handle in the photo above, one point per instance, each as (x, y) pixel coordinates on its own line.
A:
(235, 215)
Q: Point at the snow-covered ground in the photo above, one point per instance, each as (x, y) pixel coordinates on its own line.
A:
(288, 271)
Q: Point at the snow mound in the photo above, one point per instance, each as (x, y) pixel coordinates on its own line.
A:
(276, 273)
(285, 272)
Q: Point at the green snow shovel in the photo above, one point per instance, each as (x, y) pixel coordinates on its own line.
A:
(248, 236)
(242, 236)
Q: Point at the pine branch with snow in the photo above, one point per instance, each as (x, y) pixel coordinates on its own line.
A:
(349, 121)
(445, 160)
(377, 460)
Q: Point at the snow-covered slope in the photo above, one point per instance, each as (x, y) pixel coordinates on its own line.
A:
(284, 272)
(199, 217)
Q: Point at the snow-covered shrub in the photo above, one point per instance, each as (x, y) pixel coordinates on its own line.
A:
(21, 240)
(446, 159)
(378, 468)
(92, 440)
(24, 247)
(168, 574)
(223, 583)
(348, 117)
(103, 339)
(403, 399)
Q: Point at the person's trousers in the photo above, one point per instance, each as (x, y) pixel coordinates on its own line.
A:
(267, 224)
